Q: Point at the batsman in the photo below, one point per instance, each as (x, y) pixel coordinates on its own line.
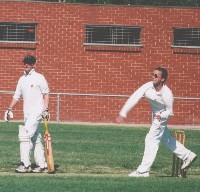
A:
(161, 100)
(34, 90)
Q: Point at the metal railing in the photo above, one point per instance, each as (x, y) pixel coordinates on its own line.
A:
(58, 95)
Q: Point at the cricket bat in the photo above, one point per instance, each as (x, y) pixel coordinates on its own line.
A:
(48, 149)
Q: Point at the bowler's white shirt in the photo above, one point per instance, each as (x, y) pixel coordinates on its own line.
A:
(161, 102)
(32, 87)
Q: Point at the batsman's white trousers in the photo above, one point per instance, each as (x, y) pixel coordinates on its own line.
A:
(159, 133)
(31, 140)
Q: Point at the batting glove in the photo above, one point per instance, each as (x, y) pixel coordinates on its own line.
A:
(8, 114)
(46, 114)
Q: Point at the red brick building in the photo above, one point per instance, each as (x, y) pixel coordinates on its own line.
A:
(72, 66)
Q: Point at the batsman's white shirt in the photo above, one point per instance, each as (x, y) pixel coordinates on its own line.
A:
(32, 87)
(161, 102)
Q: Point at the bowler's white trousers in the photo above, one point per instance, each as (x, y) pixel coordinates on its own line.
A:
(159, 133)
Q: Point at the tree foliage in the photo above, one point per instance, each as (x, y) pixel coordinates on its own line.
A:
(186, 3)
(174, 3)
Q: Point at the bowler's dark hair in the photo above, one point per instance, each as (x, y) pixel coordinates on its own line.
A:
(164, 72)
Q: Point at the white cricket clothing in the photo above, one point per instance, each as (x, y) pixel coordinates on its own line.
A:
(32, 87)
(161, 103)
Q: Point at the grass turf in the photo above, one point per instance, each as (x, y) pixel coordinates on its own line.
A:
(95, 158)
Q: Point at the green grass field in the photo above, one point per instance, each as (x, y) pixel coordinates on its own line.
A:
(95, 158)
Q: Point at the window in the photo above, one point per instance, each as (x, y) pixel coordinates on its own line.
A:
(17, 32)
(112, 35)
(186, 37)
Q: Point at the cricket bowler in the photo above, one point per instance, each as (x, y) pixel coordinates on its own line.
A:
(161, 101)
(34, 90)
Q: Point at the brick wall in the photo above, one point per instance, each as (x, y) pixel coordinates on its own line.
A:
(71, 67)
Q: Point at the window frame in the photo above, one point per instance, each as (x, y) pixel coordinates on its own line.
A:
(113, 37)
(189, 38)
(15, 27)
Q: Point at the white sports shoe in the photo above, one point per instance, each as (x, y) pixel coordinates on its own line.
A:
(40, 170)
(188, 162)
(23, 169)
(138, 174)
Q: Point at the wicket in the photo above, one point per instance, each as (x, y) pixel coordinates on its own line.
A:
(177, 162)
